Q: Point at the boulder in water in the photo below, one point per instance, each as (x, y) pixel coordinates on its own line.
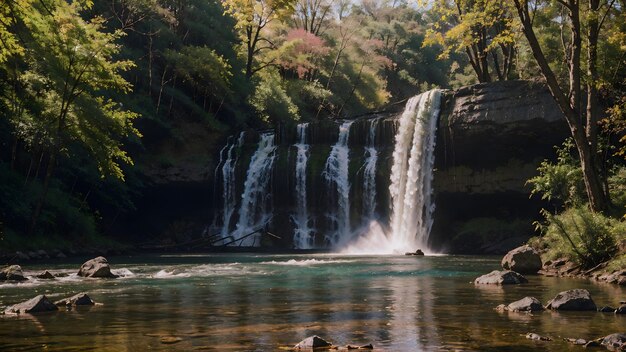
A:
(524, 260)
(417, 252)
(13, 272)
(46, 275)
(526, 304)
(80, 299)
(614, 342)
(97, 267)
(606, 309)
(621, 309)
(313, 342)
(38, 304)
(576, 299)
(504, 277)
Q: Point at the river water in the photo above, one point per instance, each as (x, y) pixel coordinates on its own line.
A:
(251, 302)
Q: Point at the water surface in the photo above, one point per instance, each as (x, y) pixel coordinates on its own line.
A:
(237, 302)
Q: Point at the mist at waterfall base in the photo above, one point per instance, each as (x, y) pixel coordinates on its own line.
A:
(406, 227)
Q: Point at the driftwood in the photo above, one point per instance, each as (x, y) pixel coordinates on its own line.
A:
(209, 241)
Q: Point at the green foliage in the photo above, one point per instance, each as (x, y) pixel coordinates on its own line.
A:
(581, 235)
(271, 101)
(561, 181)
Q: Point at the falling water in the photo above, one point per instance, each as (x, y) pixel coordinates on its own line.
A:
(302, 238)
(369, 172)
(255, 210)
(412, 173)
(336, 175)
(230, 152)
(410, 187)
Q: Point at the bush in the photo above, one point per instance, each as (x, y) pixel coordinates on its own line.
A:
(578, 234)
(561, 181)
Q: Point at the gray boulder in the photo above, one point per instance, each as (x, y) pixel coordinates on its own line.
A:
(526, 304)
(504, 277)
(97, 267)
(313, 342)
(13, 272)
(38, 304)
(80, 299)
(524, 260)
(577, 299)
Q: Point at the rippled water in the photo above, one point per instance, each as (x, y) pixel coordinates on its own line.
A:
(269, 302)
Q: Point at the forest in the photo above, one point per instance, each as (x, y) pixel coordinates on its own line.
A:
(89, 90)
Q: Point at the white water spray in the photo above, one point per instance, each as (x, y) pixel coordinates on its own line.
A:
(302, 238)
(255, 210)
(336, 175)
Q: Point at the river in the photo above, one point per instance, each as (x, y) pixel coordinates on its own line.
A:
(252, 302)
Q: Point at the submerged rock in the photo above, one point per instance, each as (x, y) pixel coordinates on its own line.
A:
(170, 340)
(576, 299)
(37, 304)
(614, 341)
(80, 299)
(97, 267)
(606, 309)
(536, 337)
(526, 304)
(504, 277)
(621, 309)
(13, 272)
(45, 275)
(313, 342)
(576, 341)
(524, 260)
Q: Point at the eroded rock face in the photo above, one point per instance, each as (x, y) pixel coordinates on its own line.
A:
(576, 299)
(497, 277)
(524, 260)
(13, 273)
(97, 267)
(37, 304)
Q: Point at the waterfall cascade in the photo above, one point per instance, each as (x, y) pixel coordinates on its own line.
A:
(338, 183)
(369, 172)
(316, 188)
(255, 210)
(410, 186)
(302, 238)
(228, 165)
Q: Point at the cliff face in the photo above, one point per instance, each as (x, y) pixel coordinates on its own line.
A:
(490, 140)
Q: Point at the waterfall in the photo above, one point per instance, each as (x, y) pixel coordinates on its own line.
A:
(410, 187)
(338, 183)
(369, 172)
(302, 238)
(229, 155)
(412, 173)
(255, 210)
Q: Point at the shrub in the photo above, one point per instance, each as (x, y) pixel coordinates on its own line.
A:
(583, 236)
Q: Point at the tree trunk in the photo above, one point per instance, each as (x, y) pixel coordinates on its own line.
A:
(44, 193)
(598, 198)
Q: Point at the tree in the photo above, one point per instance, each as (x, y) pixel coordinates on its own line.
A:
(252, 18)
(583, 125)
(482, 29)
(72, 62)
